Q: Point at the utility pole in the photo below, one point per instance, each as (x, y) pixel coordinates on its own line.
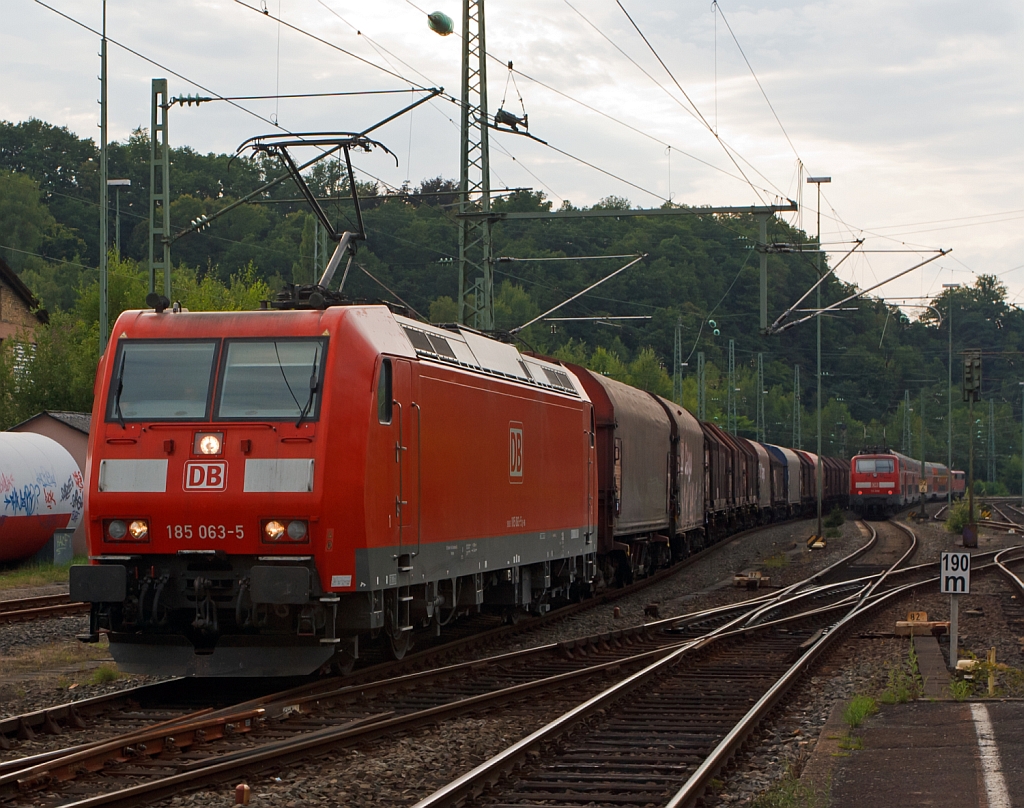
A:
(104, 191)
(923, 480)
(798, 441)
(730, 419)
(991, 459)
(949, 411)
(316, 247)
(818, 465)
(972, 393)
(677, 364)
(762, 237)
(702, 406)
(159, 189)
(762, 436)
(476, 269)
(905, 445)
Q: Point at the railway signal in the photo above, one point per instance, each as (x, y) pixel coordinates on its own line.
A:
(972, 376)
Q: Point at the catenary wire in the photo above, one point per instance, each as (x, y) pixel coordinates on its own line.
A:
(727, 150)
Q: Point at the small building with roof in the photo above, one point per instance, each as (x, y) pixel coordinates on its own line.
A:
(19, 309)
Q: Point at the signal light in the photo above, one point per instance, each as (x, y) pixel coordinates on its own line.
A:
(972, 377)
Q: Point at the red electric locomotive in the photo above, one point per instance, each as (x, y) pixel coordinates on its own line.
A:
(266, 488)
(959, 484)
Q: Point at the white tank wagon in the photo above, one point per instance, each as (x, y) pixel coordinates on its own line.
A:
(41, 492)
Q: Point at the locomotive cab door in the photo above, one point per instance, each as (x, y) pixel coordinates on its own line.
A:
(400, 412)
(407, 422)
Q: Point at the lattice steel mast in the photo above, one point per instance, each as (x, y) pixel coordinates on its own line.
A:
(476, 271)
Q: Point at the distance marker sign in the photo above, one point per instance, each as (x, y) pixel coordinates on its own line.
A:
(955, 574)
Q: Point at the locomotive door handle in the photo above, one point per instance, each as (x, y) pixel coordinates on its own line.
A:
(399, 500)
(419, 474)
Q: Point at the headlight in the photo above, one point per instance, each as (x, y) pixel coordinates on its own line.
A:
(127, 530)
(138, 528)
(208, 443)
(280, 530)
(273, 529)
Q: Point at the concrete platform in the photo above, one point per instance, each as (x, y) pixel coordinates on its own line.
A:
(925, 753)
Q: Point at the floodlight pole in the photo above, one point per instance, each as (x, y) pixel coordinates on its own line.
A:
(104, 193)
(820, 483)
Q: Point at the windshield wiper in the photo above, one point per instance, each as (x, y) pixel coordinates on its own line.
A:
(120, 388)
(313, 385)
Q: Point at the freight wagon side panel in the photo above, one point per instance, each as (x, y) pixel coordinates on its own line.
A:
(689, 468)
(642, 442)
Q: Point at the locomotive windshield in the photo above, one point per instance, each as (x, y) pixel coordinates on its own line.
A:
(874, 465)
(161, 380)
(272, 379)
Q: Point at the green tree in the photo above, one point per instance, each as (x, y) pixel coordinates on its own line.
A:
(647, 373)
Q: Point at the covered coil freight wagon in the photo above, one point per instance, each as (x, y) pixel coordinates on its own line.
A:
(687, 478)
(634, 473)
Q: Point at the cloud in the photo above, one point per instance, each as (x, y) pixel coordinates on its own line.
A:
(914, 109)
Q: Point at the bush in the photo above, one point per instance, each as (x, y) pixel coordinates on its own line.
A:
(835, 518)
(956, 519)
(983, 488)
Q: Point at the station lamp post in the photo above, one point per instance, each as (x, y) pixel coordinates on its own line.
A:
(820, 483)
(949, 414)
(1021, 444)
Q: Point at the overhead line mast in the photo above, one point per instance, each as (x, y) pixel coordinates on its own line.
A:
(476, 268)
(476, 262)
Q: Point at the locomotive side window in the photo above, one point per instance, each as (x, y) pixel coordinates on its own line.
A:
(272, 379)
(384, 393)
(161, 380)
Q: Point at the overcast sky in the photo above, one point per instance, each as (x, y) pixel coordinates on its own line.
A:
(916, 110)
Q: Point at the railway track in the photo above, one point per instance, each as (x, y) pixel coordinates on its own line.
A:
(23, 609)
(658, 737)
(128, 708)
(195, 747)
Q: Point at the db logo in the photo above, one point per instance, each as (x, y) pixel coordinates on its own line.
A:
(208, 475)
(515, 452)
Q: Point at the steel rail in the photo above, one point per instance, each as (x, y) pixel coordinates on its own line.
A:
(473, 782)
(695, 785)
(22, 609)
(370, 726)
(275, 703)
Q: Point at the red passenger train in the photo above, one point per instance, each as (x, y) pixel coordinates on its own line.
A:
(883, 482)
(267, 490)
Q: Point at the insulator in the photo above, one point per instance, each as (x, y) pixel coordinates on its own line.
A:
(440, 23)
